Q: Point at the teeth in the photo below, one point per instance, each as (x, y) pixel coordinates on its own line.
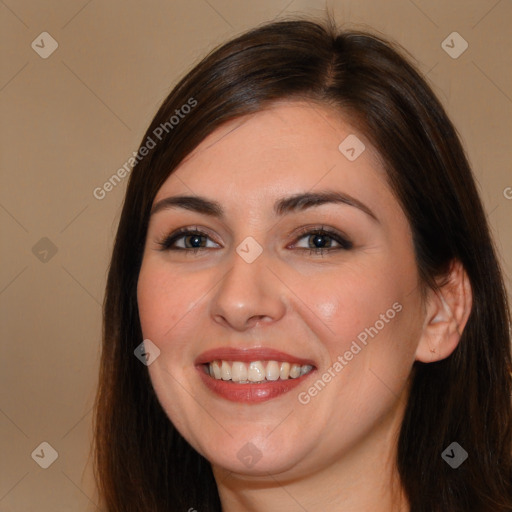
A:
(215, 370)
(305, 369)
(295, 371)
(238, 372)
(272, 372)
(225, 371)
(256, 371)
(284, 371)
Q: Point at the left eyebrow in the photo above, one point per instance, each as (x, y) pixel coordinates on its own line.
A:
(283, 206)
(309, 200)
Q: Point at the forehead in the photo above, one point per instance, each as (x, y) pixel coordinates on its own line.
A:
(290, 147)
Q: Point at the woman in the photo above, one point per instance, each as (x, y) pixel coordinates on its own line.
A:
(304, 270)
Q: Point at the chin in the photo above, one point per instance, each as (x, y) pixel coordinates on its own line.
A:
(256, 455)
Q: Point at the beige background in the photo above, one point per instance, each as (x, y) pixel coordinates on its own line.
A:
(71, 120)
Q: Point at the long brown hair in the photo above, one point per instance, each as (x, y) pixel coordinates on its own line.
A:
(142, 463)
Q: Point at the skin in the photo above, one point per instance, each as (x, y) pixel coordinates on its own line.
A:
(336, 452)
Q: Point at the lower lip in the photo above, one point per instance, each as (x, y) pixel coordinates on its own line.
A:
(250, 393)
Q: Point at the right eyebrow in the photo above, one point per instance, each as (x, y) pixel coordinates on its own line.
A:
(194, 203)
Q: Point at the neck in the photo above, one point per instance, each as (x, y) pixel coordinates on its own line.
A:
(362, 480)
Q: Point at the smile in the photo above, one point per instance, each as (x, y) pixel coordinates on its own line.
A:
(251, 375)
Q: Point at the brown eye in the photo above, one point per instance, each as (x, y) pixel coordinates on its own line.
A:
(193, 240)
(321, 240)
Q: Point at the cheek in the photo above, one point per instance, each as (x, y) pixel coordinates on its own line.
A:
(350, 301)
(164, 299)
(165, 303)
(373, 313)
(374, 324)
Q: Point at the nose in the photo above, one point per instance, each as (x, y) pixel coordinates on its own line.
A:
(248, 293)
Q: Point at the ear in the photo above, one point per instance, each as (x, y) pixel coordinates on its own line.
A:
(446, 314)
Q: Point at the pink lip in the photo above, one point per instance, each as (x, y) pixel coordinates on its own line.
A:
(249, 393)
(248, 355)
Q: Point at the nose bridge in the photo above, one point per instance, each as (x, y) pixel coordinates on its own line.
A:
(249, 291)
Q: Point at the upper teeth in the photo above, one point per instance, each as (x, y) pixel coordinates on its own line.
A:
(256, 371)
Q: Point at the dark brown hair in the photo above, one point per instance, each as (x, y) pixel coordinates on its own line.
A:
(142, 462)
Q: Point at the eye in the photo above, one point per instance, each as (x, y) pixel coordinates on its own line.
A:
(190, 240)
(320, 240)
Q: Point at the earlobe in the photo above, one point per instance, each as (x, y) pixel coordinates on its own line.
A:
(446, 314)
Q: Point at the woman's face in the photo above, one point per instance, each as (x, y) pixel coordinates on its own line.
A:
(287, 339)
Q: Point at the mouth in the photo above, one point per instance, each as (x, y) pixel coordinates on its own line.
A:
(252, 375)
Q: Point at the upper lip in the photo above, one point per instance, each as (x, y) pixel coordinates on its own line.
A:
(247, 355)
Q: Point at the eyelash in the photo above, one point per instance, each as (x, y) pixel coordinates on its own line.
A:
(345, 244)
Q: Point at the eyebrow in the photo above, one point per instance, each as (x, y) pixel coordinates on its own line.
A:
(283, 206)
